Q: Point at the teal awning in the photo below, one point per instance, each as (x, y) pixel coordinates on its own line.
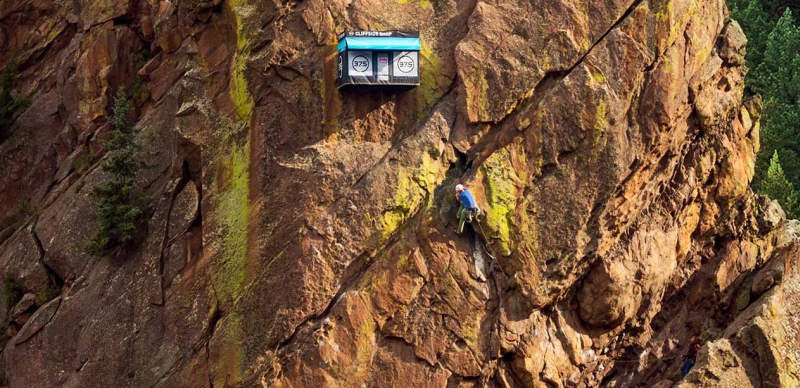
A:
(380, 43)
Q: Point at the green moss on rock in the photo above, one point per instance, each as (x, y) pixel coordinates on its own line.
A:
(600, 122)
(411, 191)
(422, 3)
(230, 208)
(501, 183)
(524, 124)
(46, 293)
(433, 82)
(12, 291)
(232, 212)
(242, 99)
(364, 347)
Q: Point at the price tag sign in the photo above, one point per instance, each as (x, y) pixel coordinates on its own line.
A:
(406, 64)
(360, 63)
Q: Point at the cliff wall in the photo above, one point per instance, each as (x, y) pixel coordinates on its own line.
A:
(302, 236)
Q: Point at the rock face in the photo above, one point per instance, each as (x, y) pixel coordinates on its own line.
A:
(302, 236)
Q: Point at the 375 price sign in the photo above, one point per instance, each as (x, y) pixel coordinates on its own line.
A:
(406, 64)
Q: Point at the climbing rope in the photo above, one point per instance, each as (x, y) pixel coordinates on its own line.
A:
(483, 240)
(482, 237)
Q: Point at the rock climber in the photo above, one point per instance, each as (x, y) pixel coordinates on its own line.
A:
(690, 357)
(468, 210)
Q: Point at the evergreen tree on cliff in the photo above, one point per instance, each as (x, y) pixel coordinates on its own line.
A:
(119, 207)
(756, 24)
(776, 78)
(776, 186)
(773, 56)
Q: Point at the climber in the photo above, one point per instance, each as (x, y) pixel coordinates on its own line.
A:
(468, 210)
(690, 357)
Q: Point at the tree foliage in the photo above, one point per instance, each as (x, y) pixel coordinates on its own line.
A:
(773, 56)
(119, 206)
(776, 186)
(8, 103)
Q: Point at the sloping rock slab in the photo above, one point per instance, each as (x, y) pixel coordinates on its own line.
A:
(39, 320)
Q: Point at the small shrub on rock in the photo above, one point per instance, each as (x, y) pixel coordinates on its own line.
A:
(8, 103)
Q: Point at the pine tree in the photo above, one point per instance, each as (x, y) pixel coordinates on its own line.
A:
(119, 207)
(776, 7)
(773, 75)
(756, 24)
(773, 56)
(776, 79)
(776, 186)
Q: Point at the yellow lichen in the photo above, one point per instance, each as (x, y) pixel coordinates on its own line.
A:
(364, 347)
(519, 100)
(673, 22)
(600, 121)
(402, 262)
(471, 331)
(433, 82)
(523, 124)
(233, 186)
(242, 99)
(231, 209)
(501, 183)
(422, 3)
(411, 189)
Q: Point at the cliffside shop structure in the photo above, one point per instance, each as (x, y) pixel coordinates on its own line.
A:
(378, 58)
